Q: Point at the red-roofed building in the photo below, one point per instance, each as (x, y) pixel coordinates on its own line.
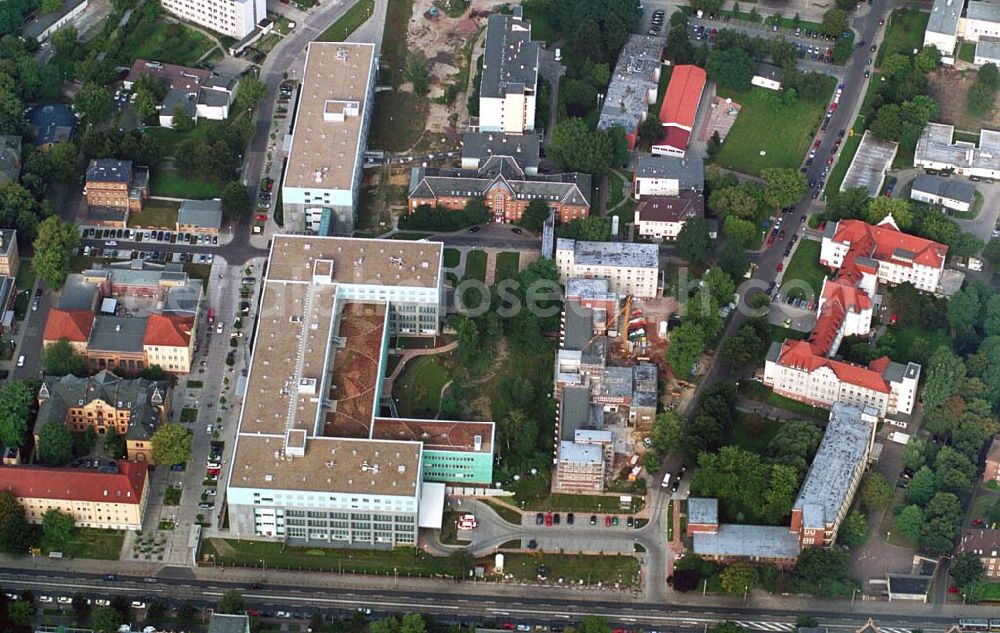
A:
(896, 257)
(95, 499)
(72, 325)
(679, 109)
(169, 342)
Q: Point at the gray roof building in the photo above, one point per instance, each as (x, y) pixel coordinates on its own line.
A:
(983, 11)
(39, 26)
(621, 254)
(689, 172)
(117, 334)
(200, 213)
(680, 208)
(633, 84)
(944, 17)
(578, 327)
(510, 62)
(836, 468)
(223, 623)
(703, 511)
(174, 98)
(937, 149)
(109, 170)
(499, 171)
(988, 50)
(574, 411)
(8, 240)
(589, 288)
(580, 453)
(945, 187)
(870, 164)
(908, 587)
(479, 147)
(767, 542)
(52, 123)
(10, 157)
(143, 398)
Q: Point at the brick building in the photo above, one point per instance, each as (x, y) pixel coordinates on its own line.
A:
(116, 188)
(10, 262)
(506, 188)
(992, 469)
(986, 545)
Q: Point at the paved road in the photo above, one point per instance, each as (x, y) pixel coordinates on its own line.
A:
(513, 602)
(855, 84)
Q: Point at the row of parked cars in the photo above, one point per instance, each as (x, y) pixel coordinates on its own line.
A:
(549, 519)
(136, 235)
(152, 256)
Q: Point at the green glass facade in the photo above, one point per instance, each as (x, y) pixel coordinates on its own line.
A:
(458, 467)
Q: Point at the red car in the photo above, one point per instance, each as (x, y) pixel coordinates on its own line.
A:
(770, 239)
(508, 626)
(816, 144)
(261, 217)
(781, 266)
(607, 521)
(881, 21)
(548, 519)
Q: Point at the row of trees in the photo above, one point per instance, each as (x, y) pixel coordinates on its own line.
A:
(901, 109)
(436, 218)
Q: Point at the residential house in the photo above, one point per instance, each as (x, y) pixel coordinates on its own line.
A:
(991, 471)
(663, 217)
(203, 94)
(114, 189)
(950, 193)
(40, 25)
(667, 176)
(767, 76)
(10, 263)
(984, 543)
(202, 217)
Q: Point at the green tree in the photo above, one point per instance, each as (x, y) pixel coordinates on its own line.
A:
(928, 59)
(55, 245)
(823, 572)
(739, 201)
(739, 578)
(16, 401)
(535, 215)
(57, 529)
(62, 158)
(783, 187)
(743, 232)
(693, 242)
(413, 623)
(909, 523)
(945, 374)
(94, 102)
(794, 444)
(59, 359)
(853, 530)
(186, 614)
(106, 620)
(576, 147)
(922, 486)
(171, 444)
(967, 570)
(650, 130)
(55, 444)
(114, 444)
(417, 73)
(231, 602)
(731, 68)
(180, 120)
(21, 613)
(15, 533)
(51, 6)
(979, 100)
(834, 22)
(914, 454)
(249, 93)
(686, 346)
(727, 627)
(593, 624)
(744, 348)
(875, 492)
(235, 200)
(64, 40)
(714, 145)
(667, 432)
(81, 607)
(898, 208)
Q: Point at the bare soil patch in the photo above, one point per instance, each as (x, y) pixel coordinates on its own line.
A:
(949, 87)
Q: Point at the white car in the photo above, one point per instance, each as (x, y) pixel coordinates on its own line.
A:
(64, 600)
(138, 604)
(218, 328)
(211, 492)
(20, 360)
(45, 599)
(102, 602)
(283, 614)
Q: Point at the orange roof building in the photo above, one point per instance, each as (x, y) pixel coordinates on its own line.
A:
(110, 496)
(679, 109)
(72, 325)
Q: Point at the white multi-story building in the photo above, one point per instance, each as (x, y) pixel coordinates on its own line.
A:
(631, 269)
(663, 217)
(794, 370)
(668, 176)
(235, 18)
(982, 19)
(308, 466)
(936, 149)
(896, 256)
(510, 75)
(942, 28)
(323, 172)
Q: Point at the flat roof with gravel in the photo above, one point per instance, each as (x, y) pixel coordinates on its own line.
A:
(870, 165)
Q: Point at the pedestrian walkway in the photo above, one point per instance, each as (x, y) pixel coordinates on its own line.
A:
(413, 353)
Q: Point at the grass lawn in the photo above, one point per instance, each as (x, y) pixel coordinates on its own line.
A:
(977, 206)
(607, 570)
(755, 439)
(169, 42)
(195, 384)
(617, 187)
(475, 265)
(847, 151)
(452, 257)
(991, 592)
(753, 131)
(905, 338)
(757, 391)
(189, 415)
(779, 334)
(400, 119)
(544, 501)
(804, 268)
(625, 213)
(25, 279)
(904, 34)
(348, 23)
(967, 51)
(168, 138)
(393, 57)
(506, 512)
(156, 214)
(541, 30)
(418, 388)
(507, 265)
(411, 236)
(171, 183)
(404, 561)
(92, 543)
(172, 496)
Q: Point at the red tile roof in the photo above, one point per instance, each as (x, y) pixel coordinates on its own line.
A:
(75, 484)
(800, 355)
(73, 325)
(680, 104)
(168, 331)
(884, 241)
(675, 137)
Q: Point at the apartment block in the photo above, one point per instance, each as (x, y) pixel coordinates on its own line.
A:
(938, 149)
(580, 468)
(235, 18)
(942, 27)
(667, 176)
(663, 217)
(634, 84)
(315, 463)
(323, 169)
(115, 188)
(109, 498)
(986, 545)
(510, 75)
(131, 408)
(631, 269)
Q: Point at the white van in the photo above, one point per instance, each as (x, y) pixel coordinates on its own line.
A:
(666, 481)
